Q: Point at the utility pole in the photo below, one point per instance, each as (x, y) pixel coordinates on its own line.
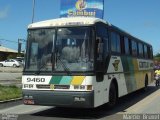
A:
(20, 44)
(33, 9)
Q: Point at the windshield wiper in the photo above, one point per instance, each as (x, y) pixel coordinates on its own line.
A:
(40, 68)
(63, 65)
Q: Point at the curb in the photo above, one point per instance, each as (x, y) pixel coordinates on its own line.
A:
(11, 100)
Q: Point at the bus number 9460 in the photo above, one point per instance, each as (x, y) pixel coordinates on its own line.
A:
(35, 79)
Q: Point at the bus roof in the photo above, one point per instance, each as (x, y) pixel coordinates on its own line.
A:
(75, 21)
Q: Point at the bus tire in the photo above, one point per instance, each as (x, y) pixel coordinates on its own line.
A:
(146, 83)
(112, 96)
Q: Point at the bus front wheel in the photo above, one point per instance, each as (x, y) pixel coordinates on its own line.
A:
(112, 96)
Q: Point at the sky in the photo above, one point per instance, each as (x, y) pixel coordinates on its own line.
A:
(140, 18)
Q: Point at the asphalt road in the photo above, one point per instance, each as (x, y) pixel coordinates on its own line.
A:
(139, 102)
(10, 76)
(11, 69)
(10, 79)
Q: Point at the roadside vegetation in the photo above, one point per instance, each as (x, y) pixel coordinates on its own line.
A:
(157, 57)
(10, 92)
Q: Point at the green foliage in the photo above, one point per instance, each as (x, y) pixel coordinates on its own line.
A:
(11, 56)
(9, 92)
(20, 55)
(157, 55)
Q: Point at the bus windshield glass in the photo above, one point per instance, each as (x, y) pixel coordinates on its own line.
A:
(74, 49)
(39, 50)
(70, 49)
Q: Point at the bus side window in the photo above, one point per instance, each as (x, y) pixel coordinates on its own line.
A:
(126, 46)
(122, 44)
(115, 42)
(140, 50)
(134, 48)
(145, 51)
(102, 32)
(149, 52)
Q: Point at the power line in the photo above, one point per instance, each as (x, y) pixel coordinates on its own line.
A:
(8, 40)
(22, 41)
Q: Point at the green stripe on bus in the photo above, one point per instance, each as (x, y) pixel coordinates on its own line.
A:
(55, 80)
(125, 64)
(128, 65)
(66, 80)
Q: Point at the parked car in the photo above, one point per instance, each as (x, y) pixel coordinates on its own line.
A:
(21, 60)
(10, 63)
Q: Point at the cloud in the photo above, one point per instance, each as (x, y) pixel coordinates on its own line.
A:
(4, 12)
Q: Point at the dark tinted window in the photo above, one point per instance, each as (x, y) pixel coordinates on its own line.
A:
(150, 54)
(145, 51)
(134, 48)
(126, 42)
(115, 42)
(102, 32)
(140, 50)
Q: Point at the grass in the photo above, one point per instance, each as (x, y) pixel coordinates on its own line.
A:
(19, 78)
(10, 92)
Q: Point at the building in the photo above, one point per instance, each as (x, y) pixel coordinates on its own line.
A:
(6, 53)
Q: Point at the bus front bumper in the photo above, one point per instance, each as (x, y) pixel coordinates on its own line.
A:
(59, 98)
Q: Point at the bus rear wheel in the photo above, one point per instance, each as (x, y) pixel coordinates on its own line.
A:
(112, 96)
(146, 83)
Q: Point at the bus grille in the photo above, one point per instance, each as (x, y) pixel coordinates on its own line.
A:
(43, 86)
(53, 87)
(61, 86)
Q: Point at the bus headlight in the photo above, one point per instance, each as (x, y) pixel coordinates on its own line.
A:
(83, 87)
(79, 87)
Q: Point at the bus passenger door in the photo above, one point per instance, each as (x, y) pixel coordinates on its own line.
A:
(102, 41)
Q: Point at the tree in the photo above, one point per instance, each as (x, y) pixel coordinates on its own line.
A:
(158, 55)
(157, 58)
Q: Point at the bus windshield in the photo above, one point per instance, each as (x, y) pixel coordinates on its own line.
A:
(71, 49)
(74, 48)
(39, 50)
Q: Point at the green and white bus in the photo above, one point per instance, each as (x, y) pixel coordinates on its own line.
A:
(83, 62)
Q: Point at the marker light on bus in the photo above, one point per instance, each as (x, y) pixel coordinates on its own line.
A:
(89, 87)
